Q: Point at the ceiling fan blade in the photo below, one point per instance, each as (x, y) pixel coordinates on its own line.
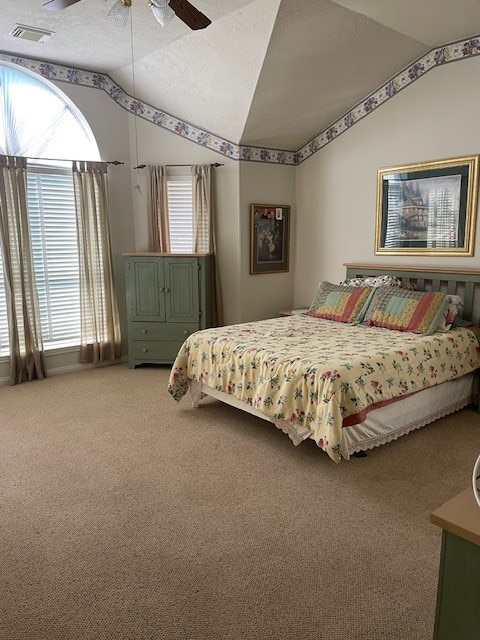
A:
(58, 5)
(192, 17)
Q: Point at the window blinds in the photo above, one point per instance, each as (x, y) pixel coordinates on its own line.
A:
(180, 211)
(4, 344)
(51, 210)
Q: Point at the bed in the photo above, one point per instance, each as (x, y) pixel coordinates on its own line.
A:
(349, 386)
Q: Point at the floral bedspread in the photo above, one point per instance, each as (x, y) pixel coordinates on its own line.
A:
(319, 375)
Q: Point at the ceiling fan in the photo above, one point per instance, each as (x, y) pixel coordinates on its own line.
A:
(163, 10)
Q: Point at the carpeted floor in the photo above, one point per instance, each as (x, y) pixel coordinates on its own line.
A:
(127, 516)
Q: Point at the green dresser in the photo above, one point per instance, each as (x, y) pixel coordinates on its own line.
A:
(458, 596)
(168, 298)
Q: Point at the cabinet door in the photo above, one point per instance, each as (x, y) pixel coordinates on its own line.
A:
(181, 290)
(145, 289)
(458, 612)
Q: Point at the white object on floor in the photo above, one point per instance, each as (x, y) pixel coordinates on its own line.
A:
(475, 474)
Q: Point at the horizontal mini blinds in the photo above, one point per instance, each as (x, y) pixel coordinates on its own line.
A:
(4, 343)
(180, 213)
(51, 208)
(51, 211)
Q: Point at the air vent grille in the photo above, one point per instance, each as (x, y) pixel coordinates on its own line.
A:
(30, 33)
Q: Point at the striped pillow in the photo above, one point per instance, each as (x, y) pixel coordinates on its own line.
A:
(403, 310)
(339, 303)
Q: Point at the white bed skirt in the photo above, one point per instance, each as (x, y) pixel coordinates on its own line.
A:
(381, 425)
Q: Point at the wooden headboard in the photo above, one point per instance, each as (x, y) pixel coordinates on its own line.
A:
(463, 282)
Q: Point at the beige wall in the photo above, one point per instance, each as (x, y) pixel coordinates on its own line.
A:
(436, 117)
(263, 295)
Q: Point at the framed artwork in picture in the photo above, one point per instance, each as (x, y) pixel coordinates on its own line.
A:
(428, 208)
(269, 238)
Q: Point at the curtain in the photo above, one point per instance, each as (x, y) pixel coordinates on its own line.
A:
(204, 237)
(100, 326)
(26, 348)
(158, 210)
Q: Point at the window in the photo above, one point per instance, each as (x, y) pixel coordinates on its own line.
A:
(53, 228)
(51, 209)
(180, 213)
(38, 121)
(4, 348)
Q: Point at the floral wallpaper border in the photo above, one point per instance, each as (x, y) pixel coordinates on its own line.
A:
(453, 52)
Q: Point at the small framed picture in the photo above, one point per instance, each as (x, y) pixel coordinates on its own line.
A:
(269, 238)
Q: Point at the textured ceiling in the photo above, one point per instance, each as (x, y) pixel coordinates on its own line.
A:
(319, 63)
(265, 72)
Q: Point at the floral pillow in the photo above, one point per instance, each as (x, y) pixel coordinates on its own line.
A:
(378, 281)
(403, 310)
(339, 303)
(453, 308)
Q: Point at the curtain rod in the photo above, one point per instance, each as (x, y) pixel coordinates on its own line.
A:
(214, 165)
(114, 162)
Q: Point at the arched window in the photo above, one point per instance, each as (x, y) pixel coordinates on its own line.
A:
(37, 120)
(41, 123)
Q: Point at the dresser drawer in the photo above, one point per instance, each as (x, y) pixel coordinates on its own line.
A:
(162, 331)
(145, 351)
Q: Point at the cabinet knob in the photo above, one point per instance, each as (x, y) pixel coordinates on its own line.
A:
(145, 350)
(185, 333)
(162, 289)
(166, 289)
(144, 330)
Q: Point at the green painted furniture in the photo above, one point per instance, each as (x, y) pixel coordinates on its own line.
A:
(458, 597)
(168, 298)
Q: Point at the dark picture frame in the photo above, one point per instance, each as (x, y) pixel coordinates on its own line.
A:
(269, 238)
(427, 208)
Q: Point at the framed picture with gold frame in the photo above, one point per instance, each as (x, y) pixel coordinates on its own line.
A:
(427, 208)
(269, 238)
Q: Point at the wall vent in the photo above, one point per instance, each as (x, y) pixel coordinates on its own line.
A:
(30, 33)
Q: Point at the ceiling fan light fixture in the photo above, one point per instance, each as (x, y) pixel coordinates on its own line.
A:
(162, 11)
(120, 12)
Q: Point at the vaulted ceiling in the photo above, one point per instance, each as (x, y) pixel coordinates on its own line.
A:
(265, 72)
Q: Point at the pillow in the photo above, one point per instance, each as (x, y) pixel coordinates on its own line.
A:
(339, 303)
(454, 305)
(377, 281)
(403, 310)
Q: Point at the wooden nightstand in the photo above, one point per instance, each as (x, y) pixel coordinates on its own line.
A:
(293, 312)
